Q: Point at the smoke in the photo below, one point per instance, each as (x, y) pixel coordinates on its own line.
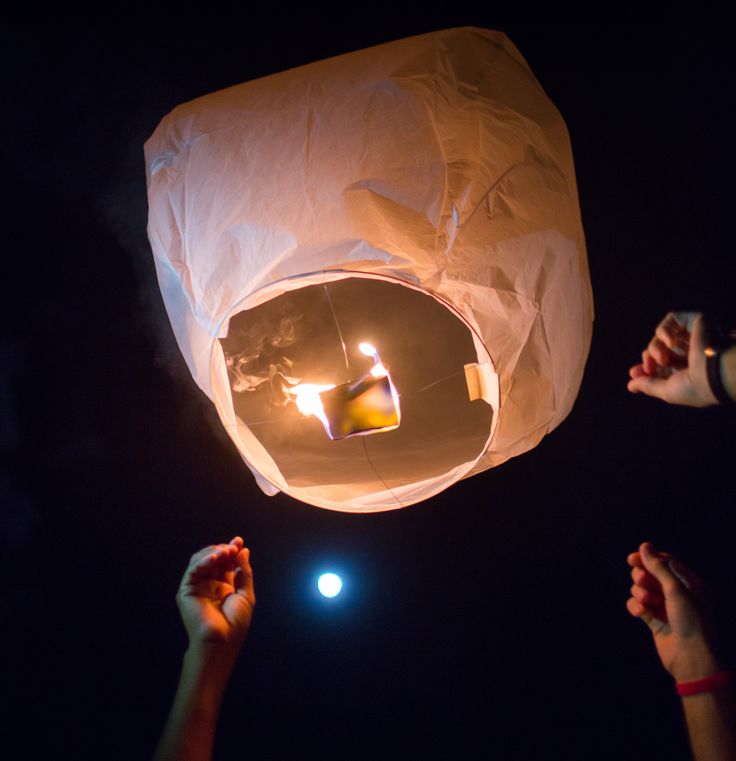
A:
(259, 358)
(121, 207)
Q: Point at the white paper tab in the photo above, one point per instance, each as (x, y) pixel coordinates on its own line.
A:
(482, 383)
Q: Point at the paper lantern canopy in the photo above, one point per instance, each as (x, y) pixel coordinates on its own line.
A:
(374, 266)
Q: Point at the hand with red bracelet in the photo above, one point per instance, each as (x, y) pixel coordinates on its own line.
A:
(669, 598)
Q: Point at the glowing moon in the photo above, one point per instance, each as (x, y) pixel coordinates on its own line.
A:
(329, 584)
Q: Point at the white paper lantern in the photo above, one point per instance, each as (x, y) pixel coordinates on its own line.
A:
(418, 197)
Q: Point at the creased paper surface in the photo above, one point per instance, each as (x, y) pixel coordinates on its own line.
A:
(437, 159)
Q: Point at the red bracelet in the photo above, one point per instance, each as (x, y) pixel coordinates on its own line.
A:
(713, 682)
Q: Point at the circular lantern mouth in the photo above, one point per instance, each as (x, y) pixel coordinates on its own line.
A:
(353, 391)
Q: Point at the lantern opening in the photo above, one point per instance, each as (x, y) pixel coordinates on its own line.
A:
(293, 387)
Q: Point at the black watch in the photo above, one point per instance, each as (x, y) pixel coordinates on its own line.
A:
(717, 341)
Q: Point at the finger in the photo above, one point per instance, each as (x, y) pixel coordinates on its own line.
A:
(659, 352)
(213, 560)
(648, 364)
(212, 588)
(645, 547)
(687, 577)
(200, 554)
(657, 563)
(206, 551)
(698, 342)
(634, 559)
(244, 576)
(644, 579)
(636, 608)
(646, 614)
(228, 576)
(201, 565)
(214, 553)
(636, 370)
(647, 597)
(684, 321)
(673, 335)
(227, 562)
(649, 385)
(237, 543)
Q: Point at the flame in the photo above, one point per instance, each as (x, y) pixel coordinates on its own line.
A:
(306, 396)
(379, 371)
(368, 349)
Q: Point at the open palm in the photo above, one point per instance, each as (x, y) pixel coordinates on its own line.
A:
(216, 595)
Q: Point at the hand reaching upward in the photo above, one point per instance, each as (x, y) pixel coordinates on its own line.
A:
(669, 598)
(216, 595)
(216, 600)
(673, 365)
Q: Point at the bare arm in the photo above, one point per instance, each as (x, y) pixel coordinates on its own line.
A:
(710, 725)
(216, 600)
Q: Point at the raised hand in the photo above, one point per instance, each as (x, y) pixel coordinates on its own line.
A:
(673, 366)
(216, 600)
(670, 599)
(216, 595)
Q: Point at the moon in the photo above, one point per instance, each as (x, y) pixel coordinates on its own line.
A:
(329, 584)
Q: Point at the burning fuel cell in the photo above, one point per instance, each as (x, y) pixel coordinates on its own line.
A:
(354, 409)
(358, 408)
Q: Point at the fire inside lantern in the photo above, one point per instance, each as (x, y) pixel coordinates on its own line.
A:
(357, 408)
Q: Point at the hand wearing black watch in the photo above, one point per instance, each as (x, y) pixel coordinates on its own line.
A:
(718, 341)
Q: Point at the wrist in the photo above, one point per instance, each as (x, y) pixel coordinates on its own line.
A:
(697, 661)
(728, 371)
(211, 657)
(720, 357)
(717, 681)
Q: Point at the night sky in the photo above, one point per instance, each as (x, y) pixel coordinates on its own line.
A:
(485, 623)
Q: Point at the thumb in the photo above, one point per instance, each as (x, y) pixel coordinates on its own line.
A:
(698, 336)
(689, 579)
(244, 575)
(659, 566)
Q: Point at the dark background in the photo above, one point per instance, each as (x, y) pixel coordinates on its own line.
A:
(488, 622)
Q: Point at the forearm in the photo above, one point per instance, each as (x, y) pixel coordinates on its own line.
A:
(710, 724)
(190, 729)
(709, 715)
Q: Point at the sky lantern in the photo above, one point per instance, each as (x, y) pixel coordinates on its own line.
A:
(374, 266)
